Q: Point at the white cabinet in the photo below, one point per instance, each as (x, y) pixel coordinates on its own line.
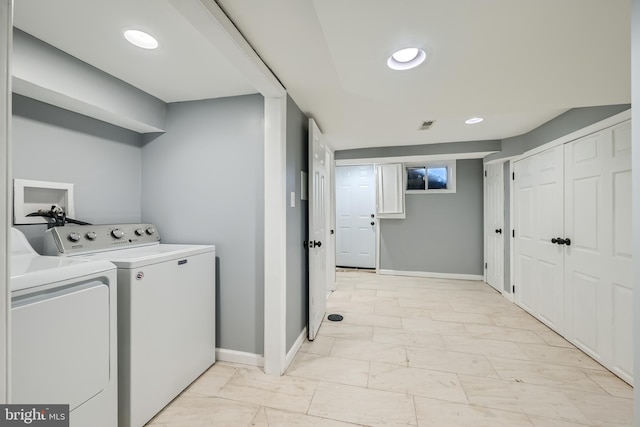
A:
(390, 190)
(572, 216)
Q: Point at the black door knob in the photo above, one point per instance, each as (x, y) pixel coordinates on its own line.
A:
(373, 223)
(560, 241)
(499, 231)
(554, 240)
(316, 244)
(567, 242)
(373, 216)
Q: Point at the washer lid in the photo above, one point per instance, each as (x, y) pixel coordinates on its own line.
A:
(28, 271)
(148, 255)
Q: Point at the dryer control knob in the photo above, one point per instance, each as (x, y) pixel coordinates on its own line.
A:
(139, 231)
(117, 233)
(91, 235)
(150, 230)
(73, 236)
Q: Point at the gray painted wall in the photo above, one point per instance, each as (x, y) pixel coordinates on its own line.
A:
(101, 160)
(202, 183)
(442, 233)
(635, 99)
(419, 150)
(297, 282)
(43, 72)
(564, 124)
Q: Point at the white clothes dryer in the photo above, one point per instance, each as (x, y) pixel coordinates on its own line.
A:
(166, 310)
(63, 334)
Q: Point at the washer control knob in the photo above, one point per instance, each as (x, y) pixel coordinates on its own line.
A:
(150, 230)
(73, 236)
(117, 233)
(91, 235)
(139, 231)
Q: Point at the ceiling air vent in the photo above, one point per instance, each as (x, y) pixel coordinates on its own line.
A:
(426, 125)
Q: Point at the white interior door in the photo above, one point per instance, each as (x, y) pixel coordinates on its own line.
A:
(494, 225)
(355, 219)
(538, 220)
(318, 197)
(598, 295)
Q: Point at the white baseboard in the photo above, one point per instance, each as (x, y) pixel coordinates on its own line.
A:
(233, 356)
(432, 275)
(295, 347)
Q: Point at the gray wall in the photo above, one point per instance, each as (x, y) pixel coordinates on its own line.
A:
(40, 71)
(635, 99)
(101, 160)
(202, 183)
(442, 233)
(419, 150)
(297, 161)
(564, 124)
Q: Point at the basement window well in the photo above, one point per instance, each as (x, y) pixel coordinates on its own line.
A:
(431, 178)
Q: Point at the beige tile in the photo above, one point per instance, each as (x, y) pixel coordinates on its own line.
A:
(553, 339)
(345, 331)
(339, 296)
(551, 422)
(551, 375)
(363, 406)
(287, 392)
(333, 369)
(268, 417)
(450, 361)
(436, 413)
(417, 382)
(611, 383)
(604, 410)
(206, 412)
(504, 334)
(428, 304)
(320, 346)
(559, 356)
(524, 398)
(348, 307)
(435, 327)
(521, 320)
(452, 316)
(375, 300)
(408, 338)
(371, 320)
(487, 347)
(210, 383)
(396, 311)
(370, 351)
(460, 307)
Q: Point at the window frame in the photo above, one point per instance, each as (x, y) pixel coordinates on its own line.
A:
(451, 176)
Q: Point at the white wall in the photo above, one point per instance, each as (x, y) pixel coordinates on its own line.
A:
(635, 120)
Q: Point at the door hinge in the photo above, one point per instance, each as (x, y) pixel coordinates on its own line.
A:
(513, 289)
(485, 265)
(513, 233)
(485, 173)
(513, 176)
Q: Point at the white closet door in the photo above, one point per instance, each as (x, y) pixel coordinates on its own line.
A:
(494, 225)
(538, 202)
(598, 297)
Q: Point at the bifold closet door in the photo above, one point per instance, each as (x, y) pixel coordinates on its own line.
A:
(598, 286)
(539, 216)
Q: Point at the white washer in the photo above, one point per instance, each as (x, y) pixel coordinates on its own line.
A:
(166, 310)
(63, 334)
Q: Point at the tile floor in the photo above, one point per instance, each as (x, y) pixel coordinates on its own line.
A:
(414, 352)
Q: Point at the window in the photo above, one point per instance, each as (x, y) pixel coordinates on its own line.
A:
(432, 177)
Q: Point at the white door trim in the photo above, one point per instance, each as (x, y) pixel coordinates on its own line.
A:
(6, 23)
(489, 229)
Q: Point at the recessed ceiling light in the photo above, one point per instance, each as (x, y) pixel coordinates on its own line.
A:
(474, 120)
(405, 59)
(141, 39)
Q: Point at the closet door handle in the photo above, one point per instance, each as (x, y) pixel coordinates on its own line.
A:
(554, 240)
(567, 242)
(499, 231)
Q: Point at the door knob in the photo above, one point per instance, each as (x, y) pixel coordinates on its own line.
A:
(315, 244)
(373, 216)
(567, 242)
(560, 241)
(373, 223)
(499, 231)
(554, 240)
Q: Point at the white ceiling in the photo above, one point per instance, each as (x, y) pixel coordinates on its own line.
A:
(516, 63)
